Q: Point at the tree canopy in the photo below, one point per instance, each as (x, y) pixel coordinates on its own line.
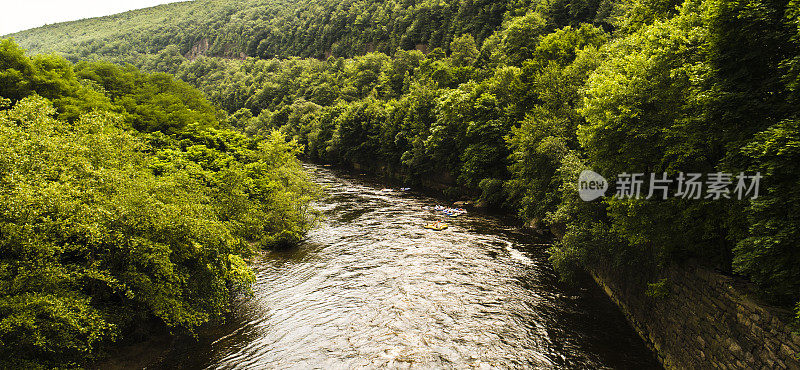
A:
(126, 205)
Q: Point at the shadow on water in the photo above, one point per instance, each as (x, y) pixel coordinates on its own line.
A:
(371, 288)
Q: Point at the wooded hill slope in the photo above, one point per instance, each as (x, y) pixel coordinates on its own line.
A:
(271, 28)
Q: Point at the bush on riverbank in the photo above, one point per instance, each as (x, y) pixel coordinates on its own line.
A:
(104, 228)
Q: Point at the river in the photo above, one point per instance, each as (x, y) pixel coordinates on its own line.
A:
(371, 288)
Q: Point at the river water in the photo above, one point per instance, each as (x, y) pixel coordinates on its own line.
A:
(371, 288)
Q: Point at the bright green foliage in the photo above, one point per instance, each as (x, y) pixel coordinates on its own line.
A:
(104, 229)
(643, 115)
(521, 37)
(638, 107)
(547, 133)
(563, 44)
(49, 76)
(150, 102)
(464, 51)
(89, 233)
(631, 15)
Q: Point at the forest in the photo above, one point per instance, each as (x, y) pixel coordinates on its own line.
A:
(128, 207)
(505, 103)
(272, 28)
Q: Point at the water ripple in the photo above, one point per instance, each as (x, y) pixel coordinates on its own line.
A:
(371, 288)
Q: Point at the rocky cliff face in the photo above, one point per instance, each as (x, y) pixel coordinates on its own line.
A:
(204, 48)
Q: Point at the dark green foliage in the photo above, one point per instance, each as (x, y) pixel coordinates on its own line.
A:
(769, 254)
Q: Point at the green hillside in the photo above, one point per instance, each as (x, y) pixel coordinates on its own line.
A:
(271, 28)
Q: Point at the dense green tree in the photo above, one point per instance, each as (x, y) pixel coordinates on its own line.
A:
(150, 102)
(769, 254)
(49, 76)
(106, 230)
(548, 132)
(463, 51)
(93, 240)
(521, 36)
(157, 37)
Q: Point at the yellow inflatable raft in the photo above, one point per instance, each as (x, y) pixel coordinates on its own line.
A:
(436, 226)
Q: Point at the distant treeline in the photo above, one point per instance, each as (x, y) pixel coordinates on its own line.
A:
(274, 28)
